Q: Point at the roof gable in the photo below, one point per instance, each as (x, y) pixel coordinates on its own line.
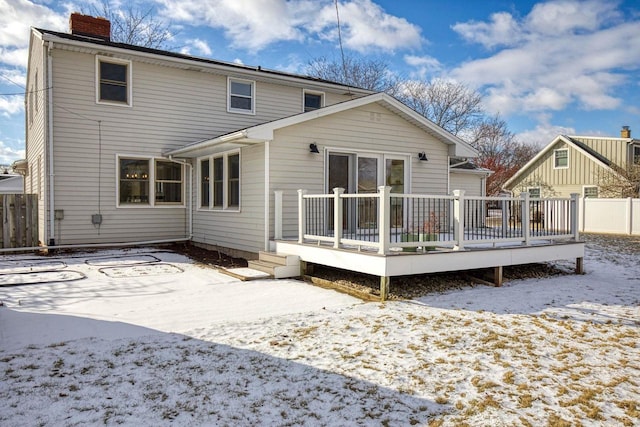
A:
(579, 146)
(265, 131)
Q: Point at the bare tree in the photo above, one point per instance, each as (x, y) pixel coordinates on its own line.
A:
(452, 106)
(621, 182)
(499, 151)
(371, 74)
(140, 27)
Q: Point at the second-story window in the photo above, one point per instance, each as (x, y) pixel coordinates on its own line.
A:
(636, 154)
(313, 101)
(114, 85)
(561, 158)
(241, 96)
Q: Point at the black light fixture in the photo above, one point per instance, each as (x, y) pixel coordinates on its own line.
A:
(422, 156)
(313, 148)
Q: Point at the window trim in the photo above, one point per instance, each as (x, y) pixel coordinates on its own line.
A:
(535, 188)
(312, 92)
(555, 165)
(253, 96)
(584, 187)
(128, 63)
(225, 182)
(634, 148)
(151, 163)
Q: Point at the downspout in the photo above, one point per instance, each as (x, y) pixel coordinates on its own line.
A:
(50, 138)
(267, 197)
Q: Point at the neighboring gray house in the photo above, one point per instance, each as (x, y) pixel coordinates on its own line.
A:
(575, 164)
(130, 144)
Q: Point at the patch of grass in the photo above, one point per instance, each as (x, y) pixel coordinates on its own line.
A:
(525, 400)
(631, 408)
(508, 377)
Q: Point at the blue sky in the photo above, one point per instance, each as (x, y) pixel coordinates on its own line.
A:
(548, 67)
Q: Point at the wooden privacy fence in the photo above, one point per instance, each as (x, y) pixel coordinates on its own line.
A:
(19, 225)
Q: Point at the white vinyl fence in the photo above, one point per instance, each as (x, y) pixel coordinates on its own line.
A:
(615, 216)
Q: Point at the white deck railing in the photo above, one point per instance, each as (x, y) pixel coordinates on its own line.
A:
(387, 221)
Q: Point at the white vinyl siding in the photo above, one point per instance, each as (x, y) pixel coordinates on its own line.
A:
(173, 107)
(368, 129)
(472, 183)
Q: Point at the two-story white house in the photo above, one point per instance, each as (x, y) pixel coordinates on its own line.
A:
(129, 144)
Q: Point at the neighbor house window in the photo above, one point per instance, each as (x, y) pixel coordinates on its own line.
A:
(591, 191)
(561, 158)
(224, 183)
(168, 182)
(149, 182)
(636, 154)
(114, 81)
(534, 192)
(241, 96)
(313, 101)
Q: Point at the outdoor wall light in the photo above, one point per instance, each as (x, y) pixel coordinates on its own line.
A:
(313, 148)
(422, 156)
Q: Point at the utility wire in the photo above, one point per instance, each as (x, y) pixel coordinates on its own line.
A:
(344, 64)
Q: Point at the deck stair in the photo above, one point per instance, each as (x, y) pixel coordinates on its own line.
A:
(279, 266)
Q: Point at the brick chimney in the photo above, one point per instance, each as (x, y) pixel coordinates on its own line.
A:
(85, 25)
(625, 132)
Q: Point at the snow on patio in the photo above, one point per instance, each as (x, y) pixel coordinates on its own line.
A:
(149, 338)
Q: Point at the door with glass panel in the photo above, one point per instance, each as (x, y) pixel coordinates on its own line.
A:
(362, 174)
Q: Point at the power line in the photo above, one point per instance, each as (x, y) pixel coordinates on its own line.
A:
(344, 64)
(9, 80)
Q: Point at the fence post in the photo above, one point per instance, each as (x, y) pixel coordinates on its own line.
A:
(337, 216)
(525, 214)
(301, 215)
(277, 234)
(458, 219)
(575, 230)
(384, 219)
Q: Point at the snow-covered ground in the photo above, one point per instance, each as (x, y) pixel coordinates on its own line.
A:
(145, 337)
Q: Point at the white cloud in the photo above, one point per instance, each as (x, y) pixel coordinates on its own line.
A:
(10, 105)
(16, 16)
(583, 60)
(544, 133)
(425, 66)
(9, 154)
(255, 24)
(201, 47)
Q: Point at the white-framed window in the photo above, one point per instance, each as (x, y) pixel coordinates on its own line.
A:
(561, 158)
(590, 191)
(147, 182)
(113, 81)
(241, 96)
(534, 192)
(636, 154)
(220, 181)
(312, 100)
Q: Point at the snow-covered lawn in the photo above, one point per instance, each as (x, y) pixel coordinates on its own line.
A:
(146, 337)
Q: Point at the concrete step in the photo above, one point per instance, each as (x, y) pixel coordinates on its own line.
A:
(279, 266)
(280, 259)
(245, 273)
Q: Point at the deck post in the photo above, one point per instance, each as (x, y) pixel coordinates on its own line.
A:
(497, 276)
(525, 217)
(575, 230)
(384, 222)
(301, 215)
(384, 287)
(337, 216)
(278, 215)
(580, 265)
(458, 219)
